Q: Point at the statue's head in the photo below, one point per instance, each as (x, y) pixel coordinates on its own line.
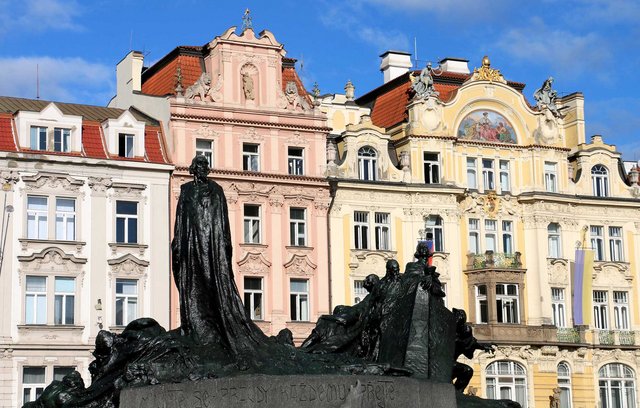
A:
(393, 267)
(73, 380)
(460, 315)
(199, 167)
(370, 282)
(422, 250)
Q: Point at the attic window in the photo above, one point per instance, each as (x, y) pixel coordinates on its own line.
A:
(38, 138)
(61, 139)
(125, 145)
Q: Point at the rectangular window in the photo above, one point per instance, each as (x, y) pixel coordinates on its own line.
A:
(251, 224)
(482, 307)
(253, 297)
(490, 231)
(471, 173)
(597, 242)
(127, 222)
(505, 178)
(65, 219)
(558, 307)
(600, 310)
(621, 310)
(250, 157)
(431, 168)
(551, 177)
(487, 174)
(61, 139)
(299, 299)
(125, 145)
(474, 236)
(126, 301)
(359, 292)
(615, 244)
(382, 228)
(298, 226)
(295, 161)
(435, 233)
(507, 306)
(64, 301)
(553, 231)
(38, 140)
(33, 383)
(37, 212)
(205, 148)
(35, 300)
(507, 237)
(361, 229)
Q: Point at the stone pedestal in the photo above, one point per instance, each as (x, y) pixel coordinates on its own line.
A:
(309, 391)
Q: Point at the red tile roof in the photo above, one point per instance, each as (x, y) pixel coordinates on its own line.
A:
(163, 81)
(153, 144)
(289, 74)
(7, 139)
(389, 101)
(92, 140)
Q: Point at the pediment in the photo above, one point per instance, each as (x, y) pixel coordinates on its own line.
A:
(300, 265)
(52, 180)
(130, 259)
(254, 263)
(52, 255)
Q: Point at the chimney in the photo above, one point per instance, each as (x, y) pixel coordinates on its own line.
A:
(129, 73)
(458, 65)
(394, 64)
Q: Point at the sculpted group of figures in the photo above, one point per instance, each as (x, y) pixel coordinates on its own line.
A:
(218, 339)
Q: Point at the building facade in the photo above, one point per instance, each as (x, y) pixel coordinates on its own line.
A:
(239, 101)
(84, 243)
(505, 192)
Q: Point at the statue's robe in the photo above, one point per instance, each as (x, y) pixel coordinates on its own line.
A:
(211, 310)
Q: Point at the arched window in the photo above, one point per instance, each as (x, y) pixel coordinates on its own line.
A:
(507, 380)
(434, 232)
(367, 163)
(553, 234)
(617, 386)
(600, 180)
(564, 382)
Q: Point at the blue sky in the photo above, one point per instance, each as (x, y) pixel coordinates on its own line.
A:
(590, 46)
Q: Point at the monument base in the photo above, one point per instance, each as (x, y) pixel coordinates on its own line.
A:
(291, 391)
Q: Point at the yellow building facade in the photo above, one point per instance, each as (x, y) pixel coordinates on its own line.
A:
(505, 191)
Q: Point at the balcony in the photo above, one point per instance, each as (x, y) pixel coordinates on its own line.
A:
(494, 260)
(614, 338)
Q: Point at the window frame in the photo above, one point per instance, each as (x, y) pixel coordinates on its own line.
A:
(496, 377)
(64, 295)
(250, 294)
(125, 317)
(600, 180)
(67, 217)
(564, 383)
(252, 224)
(251, 159)
(367, 163)
(295, 163)
(551, 177)
(39, 136)
(35, 388)
(40, 317)
(382, 231)
(482, 299)
(434, 225)
(558, 307)
(600, 309)
(298, 227)
(626, 383)
(431, 168)
(64, 134)
(503, 300)
(472, 172)
(361, 238)
(205, 151)
(40, 218)
(505, 175)
(488, 175)
(554, 240)
(126, 145)
(302, 311)
(616, 244)
(127, 219)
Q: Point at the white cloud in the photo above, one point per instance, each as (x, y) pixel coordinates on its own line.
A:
(562, 50)
(39, 15)
(350, 18)
(61, 79)
(476, 8)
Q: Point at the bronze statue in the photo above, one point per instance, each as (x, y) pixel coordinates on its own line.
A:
(466, 344)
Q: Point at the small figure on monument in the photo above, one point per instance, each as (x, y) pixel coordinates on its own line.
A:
(211, 310)
(546, 97)
(554, 399)
(466, 344)
(393, 270)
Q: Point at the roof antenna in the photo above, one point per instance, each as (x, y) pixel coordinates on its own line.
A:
(37, 81)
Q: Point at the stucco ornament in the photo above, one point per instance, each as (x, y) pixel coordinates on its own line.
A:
(247, 86)
(548, 131)
(200, 88)
(486, 73)
(294, 100)
(635, 191)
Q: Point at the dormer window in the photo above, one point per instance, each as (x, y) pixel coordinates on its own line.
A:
(600, 180)
(367, 163)
(38, 138)
(125, 145)
(61, 140)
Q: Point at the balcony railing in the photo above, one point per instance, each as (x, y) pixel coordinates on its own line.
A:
(627, 338)
(568, 335)
(492, 259)
(605, 337)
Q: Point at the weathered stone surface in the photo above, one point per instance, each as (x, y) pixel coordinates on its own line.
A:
(309, 391)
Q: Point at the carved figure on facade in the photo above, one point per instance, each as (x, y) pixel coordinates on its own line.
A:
(247, 86)
(554, 399)
(294, 100)
(422, 85)
(99, 184)
(546, 97)
(200, 88)
(8, 178)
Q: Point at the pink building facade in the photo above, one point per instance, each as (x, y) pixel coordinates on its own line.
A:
(239, 101)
